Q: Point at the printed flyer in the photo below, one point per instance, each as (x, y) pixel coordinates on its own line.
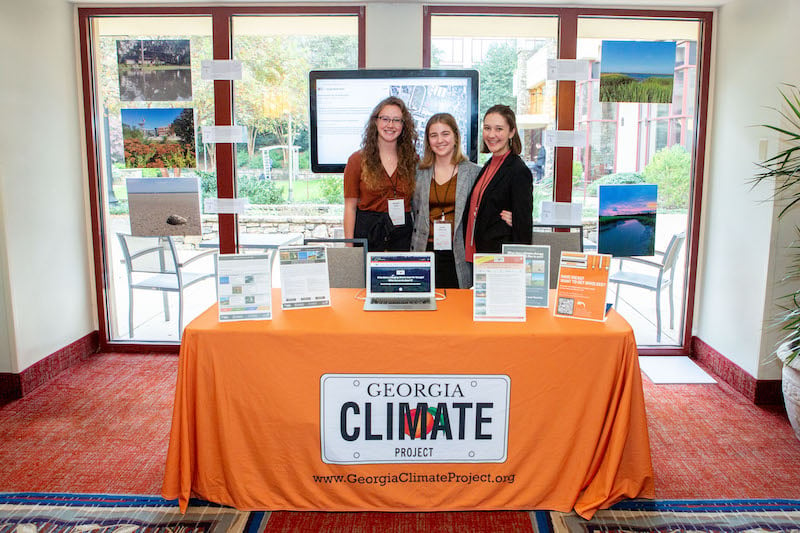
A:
(244, 287)
(537, 272)
(498, 288)
(582, 285)
(304, 274)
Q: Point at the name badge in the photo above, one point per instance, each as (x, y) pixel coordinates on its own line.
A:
(397, 212)
(442, 236)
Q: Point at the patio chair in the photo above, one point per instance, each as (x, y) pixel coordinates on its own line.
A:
(661, 277)
(152, 263)
(558, 241)
(346, 266)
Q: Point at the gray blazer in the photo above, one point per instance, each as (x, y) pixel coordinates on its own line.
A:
(420, 204)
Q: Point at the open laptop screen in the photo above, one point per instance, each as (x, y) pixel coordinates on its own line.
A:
(400, 274)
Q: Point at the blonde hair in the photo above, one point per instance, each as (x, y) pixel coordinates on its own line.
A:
(428, 158)
(372, 170)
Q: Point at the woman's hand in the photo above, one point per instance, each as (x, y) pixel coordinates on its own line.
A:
(506, 216)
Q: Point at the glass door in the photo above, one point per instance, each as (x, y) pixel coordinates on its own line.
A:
(639, 138)
(150, 101)
(510, 54)
(286, 200)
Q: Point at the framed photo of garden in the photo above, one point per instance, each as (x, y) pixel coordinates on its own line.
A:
(159, 138)
(637, 71)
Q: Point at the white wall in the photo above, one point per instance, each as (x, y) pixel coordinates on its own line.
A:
(44, 249)
(394, 35)
(755, 50)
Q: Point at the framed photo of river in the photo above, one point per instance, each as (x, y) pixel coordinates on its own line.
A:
(154, 70)
(627, 220)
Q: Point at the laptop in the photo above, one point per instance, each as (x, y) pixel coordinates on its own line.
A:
(400, 281)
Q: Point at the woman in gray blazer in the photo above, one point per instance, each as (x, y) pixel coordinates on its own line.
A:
(444, 180)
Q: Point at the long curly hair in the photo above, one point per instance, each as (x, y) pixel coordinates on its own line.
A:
(372, 171)
(429, 158)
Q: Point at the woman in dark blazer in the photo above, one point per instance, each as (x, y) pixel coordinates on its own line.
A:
(504, 184)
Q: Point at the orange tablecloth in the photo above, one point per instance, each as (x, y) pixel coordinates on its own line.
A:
(246, 425)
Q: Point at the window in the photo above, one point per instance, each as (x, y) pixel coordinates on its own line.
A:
(624, 141)
(512, 72)
(149, 105)
(536, 95)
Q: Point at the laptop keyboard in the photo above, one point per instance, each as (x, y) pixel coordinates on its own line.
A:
(401, 301)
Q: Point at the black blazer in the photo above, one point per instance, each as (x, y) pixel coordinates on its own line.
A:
(511, 189)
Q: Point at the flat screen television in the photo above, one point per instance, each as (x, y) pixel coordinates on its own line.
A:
(341, 101)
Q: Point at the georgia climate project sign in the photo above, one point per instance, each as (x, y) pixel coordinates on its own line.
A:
(414, 418)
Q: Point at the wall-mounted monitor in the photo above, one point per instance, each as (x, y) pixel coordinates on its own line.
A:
(341, 101)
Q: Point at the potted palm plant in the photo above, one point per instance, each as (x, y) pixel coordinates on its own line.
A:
(783, 171)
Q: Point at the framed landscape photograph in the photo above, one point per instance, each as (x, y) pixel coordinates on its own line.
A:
(154, 70)
(637, 71)
(627, 220)
(159, 138)
(164, 206)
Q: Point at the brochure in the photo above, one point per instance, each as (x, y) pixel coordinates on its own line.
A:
(498, 288)
(582, 285)
(244, 287)
(304, 274)
(561, 213)
(537, 272)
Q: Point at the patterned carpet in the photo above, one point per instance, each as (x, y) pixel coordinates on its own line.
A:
(73, 513)
(639, 516)
(103, 513)
(101, 427)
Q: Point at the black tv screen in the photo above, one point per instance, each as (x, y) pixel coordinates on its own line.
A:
(341, 101)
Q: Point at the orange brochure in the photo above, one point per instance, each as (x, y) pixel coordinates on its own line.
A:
(582, 285)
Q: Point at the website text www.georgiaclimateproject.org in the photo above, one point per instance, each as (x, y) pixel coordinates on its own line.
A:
(411, 477)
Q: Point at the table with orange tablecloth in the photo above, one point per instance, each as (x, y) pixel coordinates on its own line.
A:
(247, 424)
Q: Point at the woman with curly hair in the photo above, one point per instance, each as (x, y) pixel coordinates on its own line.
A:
(379, 180)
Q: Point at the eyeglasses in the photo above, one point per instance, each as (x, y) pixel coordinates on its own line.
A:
(389, 120)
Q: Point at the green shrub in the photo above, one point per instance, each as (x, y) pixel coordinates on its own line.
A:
(577, 173)
(243, 160)
(260, 192)
(332, 189)
(208, 183)
(669, 169)
(119, 208)
(620, 178)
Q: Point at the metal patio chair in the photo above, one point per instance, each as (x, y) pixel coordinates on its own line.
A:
(660, 278)
(152, 263)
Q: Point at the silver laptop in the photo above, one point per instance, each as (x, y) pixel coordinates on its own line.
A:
(400, 281)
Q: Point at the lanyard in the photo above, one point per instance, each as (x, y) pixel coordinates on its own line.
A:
(446, 191)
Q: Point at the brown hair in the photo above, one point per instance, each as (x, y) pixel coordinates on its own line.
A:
(448, 120)
(372, 171)
(507, 113)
